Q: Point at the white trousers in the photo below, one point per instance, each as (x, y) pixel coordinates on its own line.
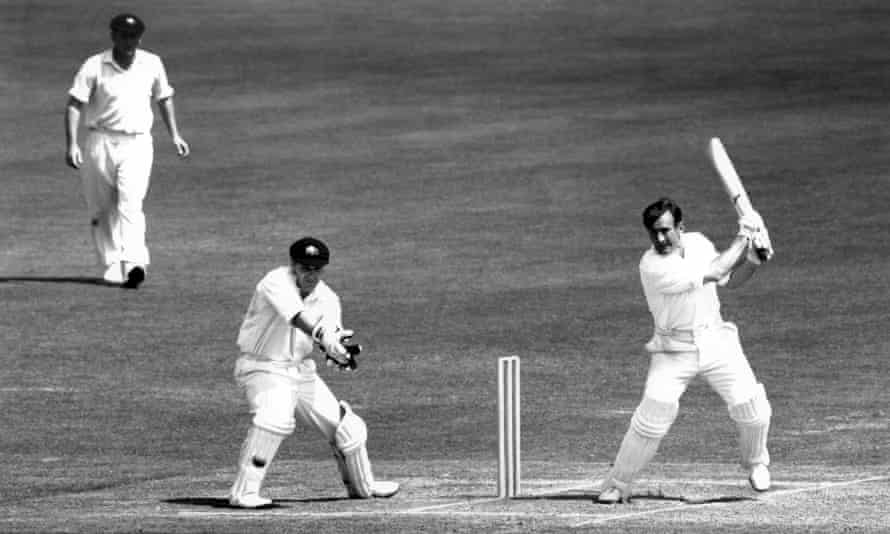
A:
(277, 393)
(115, 175)
(719, 360)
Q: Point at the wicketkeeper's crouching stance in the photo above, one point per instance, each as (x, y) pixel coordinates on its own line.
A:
(680, 274)
(291, 312)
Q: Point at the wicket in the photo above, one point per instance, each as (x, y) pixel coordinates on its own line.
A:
(508, 426)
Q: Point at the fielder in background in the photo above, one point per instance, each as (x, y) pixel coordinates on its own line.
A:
(680, 274)
(291, 312)
(114, 90)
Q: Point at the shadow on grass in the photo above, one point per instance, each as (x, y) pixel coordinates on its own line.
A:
(220, 502)
(88, 280)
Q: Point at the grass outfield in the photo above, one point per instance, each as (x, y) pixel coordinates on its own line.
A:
(478, 169)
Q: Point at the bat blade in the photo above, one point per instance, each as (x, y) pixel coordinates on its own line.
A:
(732, 183)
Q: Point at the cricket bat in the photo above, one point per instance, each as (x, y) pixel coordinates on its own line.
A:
(730, 178)
(732, 184)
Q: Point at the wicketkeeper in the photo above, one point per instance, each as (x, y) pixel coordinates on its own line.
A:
(292, 312)
(680, 274)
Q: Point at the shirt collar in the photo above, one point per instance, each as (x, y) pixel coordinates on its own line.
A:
(108, 57)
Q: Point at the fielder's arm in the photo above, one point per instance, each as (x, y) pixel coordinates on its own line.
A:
(73, 156)
(168, 114)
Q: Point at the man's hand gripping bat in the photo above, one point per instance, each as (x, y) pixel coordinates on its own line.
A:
(739, 197)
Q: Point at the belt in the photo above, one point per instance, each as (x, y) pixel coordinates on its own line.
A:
(106, 131)
(268, 359)
(685, 335)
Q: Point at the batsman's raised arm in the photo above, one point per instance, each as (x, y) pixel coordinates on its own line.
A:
(735, 255)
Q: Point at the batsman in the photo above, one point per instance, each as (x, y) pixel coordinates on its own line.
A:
(293, 311)
(680, 274)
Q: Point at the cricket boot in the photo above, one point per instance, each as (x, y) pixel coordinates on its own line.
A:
(759, 477)
(613, 492)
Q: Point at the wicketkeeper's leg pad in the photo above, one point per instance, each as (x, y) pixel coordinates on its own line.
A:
(352, 454)
(650, 422)
(257, 452)
(752, 418)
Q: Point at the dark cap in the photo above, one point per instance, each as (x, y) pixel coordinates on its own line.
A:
(310, 251)
(127, 24)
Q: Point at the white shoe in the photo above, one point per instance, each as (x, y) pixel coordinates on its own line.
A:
(759, 477)
(613, 492)
(612, 495)
(114, 274)
(249, 500)
(384, 489)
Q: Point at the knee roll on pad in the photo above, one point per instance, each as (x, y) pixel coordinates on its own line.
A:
(753, 412)
(653, 419)
(351, 433)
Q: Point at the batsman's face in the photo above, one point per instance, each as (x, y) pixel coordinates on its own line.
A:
(307, 277)
(665, 234)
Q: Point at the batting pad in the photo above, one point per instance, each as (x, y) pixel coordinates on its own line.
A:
(651, 421)
(352, 455)
(752, 419)
(257, 452)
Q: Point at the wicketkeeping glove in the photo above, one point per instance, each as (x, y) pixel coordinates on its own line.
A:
(354, 349)
(330, 339)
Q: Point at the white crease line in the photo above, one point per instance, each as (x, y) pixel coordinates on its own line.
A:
(266, 513)
(429, 508)
(543, 492)
(822, 485)
(44, 389)
(769, 496)
(443, 509)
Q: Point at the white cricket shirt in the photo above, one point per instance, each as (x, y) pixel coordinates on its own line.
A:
(266, 333)
(119, 100)
(679, 300)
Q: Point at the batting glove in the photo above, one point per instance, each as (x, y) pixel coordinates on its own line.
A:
(750, 224)
(761, 247)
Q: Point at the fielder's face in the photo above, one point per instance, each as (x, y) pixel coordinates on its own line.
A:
(125, 43)
(665, 234)
(307, 277)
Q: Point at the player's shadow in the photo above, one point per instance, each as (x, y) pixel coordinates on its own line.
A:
(88, 280)
(218, 502)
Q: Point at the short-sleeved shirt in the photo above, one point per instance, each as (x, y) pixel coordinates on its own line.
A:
(676, 294)
(266, 332)
(117, 99)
